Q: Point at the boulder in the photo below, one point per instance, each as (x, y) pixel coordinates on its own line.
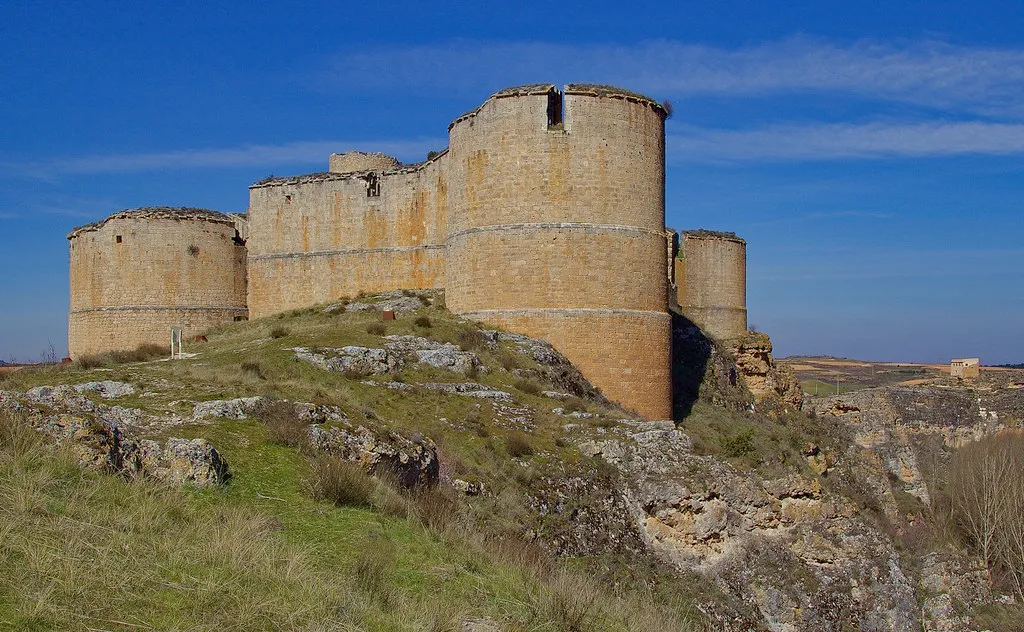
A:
(351, 359)
(413, 461)
(107, 389)
(239, 408)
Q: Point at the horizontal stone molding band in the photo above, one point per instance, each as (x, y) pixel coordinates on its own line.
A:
(558, 226)
(161, 308)
(562, 311)
(350, 251)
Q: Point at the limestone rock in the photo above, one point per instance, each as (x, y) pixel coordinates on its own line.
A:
(351, 359)
(239, 408)
(193, 461)
(442, 355)
(468, 389)
(761, 373)
(414, 461)
(107, 389)
(398, 304)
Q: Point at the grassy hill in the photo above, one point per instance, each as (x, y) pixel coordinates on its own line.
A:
(81, 549)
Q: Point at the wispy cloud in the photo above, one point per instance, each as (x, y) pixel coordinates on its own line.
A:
(842, 140)
(269, 156)
(981, 80)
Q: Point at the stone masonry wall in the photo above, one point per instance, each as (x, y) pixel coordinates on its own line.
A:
(320, 237)
(140, 272)
(711, 277)
(560, 233)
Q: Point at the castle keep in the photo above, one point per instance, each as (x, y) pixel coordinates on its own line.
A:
(545, 215)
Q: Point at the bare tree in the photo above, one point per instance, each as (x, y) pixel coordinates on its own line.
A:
(1010, 540)
(979, 480)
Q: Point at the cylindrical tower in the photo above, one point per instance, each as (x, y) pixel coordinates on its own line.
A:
(351, 161)
(711, 275)
(560, 232)
(140, 272)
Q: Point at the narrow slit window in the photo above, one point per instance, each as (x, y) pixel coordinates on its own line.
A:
(372, 185)
(555, 120)
(117, 239)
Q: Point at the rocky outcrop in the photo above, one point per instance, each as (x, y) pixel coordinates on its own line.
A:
(894, 427)
(442, 355)
(760, 372)
(412, 460)
(350, 360)
(107, 389)
(239, 408)
(100, 442)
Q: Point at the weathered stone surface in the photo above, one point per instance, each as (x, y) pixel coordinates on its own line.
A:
(239, 408)
(442, 355)
(351, 359)
(413, 461)
(398, 304)
(761, 373)
(554, 367)
(468, 389)
(193, 461)
(107, 389)
(68, 400)
(100, 442)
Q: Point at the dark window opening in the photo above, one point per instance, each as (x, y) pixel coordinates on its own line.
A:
(117, 239)
(288, 198)
(372, 185)
(238, 239)
(555, 113)
(239, 319)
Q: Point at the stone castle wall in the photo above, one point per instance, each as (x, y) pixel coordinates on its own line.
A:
(319, 237)
(711, 275)
(140, 272)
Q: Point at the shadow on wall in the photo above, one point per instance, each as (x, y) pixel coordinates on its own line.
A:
(691, 352)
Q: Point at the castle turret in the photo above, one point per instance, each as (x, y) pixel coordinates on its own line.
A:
(711, 276)
(560, 230)
(140, 272)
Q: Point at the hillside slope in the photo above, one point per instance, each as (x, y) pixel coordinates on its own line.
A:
(507, 493)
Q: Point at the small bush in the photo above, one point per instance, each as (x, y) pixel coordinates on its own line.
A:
(510, 361)
(377, 329)
(574, 405)
(528, 386)
(739, 444)
(356, 372)
(518, 446)
(423, 321)
(283, 424)
(254, 369)
(279, 332)
(343, 483)
(472, 341)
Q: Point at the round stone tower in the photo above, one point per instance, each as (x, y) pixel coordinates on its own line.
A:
(561, 234)
(140, 272)
(358, 161)
(711, 274)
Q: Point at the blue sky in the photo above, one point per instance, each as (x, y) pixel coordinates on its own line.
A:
(872, 156)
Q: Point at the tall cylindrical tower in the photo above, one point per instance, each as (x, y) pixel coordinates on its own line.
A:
(711, 275)
(560, 232)
(140, 272)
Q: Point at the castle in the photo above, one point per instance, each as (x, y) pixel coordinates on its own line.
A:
(545, 216)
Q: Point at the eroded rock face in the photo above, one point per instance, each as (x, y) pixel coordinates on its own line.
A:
(100, 442)
(442, 355)
(762, 375)
(412, 460)
(803, 558)
(350, 359)
(107, 389)
(239, 408)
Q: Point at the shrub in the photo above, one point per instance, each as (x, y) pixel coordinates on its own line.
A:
(472, 340)
(254, 369)
(343, 483)
(518, 446)
(423, 321)
(574, 405)
(279, 332)
(528, 386)
(377, 329)
(510, 361)
(283, 424)
(739, 444)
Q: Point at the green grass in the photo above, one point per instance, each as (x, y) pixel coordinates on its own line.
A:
(817, 387)
(79, 549)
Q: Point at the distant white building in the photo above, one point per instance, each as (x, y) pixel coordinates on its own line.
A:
(967, 368)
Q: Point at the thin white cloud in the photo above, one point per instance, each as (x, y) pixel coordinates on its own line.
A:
(844, 141)
(935, 74)
(269, 156)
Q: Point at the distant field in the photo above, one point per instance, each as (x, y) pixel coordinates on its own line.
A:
(819, 376)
